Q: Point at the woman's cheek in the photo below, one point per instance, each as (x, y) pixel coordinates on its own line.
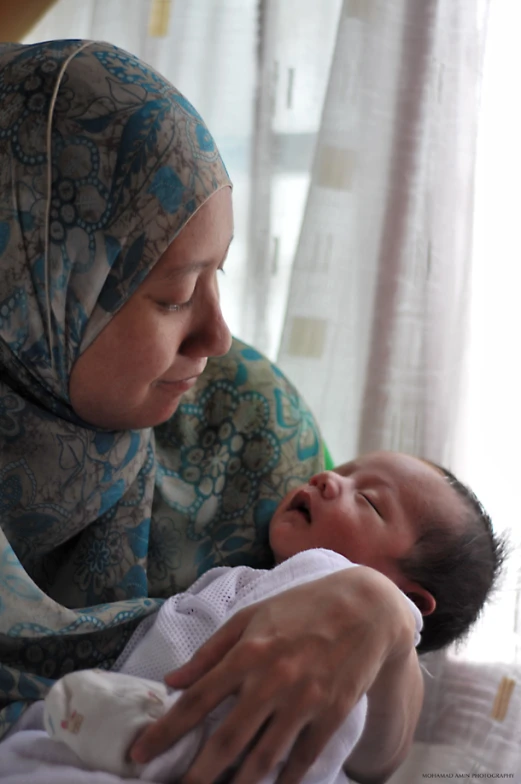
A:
(152, 361)
(163, 346)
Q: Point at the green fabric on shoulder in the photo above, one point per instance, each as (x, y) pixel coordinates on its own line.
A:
(328, 460)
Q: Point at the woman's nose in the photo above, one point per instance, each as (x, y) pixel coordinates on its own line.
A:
(217, 335)
(326, 483)
(210, 337)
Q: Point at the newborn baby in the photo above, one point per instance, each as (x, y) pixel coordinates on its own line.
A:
(399, 515)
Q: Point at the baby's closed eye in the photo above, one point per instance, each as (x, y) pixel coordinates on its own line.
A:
(372, 500)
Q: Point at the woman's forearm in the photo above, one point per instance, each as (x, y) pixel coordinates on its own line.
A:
(394, 705)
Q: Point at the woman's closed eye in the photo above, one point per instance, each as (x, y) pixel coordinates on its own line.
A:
(171, 307)
(175, 307)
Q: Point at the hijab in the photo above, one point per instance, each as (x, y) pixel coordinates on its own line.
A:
(102, 163)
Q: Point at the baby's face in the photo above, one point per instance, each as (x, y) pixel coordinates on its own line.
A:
(372, 510)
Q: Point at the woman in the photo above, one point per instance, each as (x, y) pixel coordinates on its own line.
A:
(115, 219)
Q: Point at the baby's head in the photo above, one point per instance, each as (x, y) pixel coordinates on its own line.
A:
(408, 519)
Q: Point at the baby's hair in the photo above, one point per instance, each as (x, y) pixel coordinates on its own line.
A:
(460, 570)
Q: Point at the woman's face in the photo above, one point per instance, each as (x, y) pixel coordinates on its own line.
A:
(135, 372)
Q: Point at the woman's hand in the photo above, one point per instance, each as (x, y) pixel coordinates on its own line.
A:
(298, 663)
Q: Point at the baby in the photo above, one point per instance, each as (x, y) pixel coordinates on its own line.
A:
(407, 518)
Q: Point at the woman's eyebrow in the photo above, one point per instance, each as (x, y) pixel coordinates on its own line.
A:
(185, 269)
(174, 273)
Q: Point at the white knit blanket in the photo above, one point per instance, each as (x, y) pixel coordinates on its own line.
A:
(162, 643)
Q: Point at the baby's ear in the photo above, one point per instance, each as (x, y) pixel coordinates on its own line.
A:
(422, 598)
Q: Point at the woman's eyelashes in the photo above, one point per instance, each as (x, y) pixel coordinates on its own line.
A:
(175, 307)
(171, 307)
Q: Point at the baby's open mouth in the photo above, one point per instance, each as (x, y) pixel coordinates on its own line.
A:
(300, 503)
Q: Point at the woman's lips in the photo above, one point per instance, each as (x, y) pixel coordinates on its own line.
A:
(182, 385)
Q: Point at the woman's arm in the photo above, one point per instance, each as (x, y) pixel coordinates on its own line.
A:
(311, 652)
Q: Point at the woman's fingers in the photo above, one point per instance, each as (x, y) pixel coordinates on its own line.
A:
(270, 750)
(228, 742)
(209, 654)
(189, 711)
(224, 679)
(308, 746)
(272, 729)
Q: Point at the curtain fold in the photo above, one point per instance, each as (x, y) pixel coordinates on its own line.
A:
(295, 46)
(255, 327)
(396, 256)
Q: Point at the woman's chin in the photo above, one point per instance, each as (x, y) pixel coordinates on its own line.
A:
(149, 413)
(153, 418)
(163, 413)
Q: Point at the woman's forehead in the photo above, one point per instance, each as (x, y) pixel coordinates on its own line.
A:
(203, 244)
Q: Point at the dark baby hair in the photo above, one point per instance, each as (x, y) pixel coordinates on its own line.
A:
(458, 569)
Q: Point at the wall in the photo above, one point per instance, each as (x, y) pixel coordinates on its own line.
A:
(16, 19)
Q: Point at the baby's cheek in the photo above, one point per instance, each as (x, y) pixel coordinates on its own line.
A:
(279, 540)
(338, 541)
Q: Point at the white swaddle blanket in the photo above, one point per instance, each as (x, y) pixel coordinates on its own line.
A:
(97, 715)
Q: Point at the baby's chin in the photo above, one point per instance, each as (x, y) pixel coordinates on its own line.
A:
(282, 553)
(278, 557)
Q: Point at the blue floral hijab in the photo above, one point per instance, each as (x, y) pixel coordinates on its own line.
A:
(102, 163)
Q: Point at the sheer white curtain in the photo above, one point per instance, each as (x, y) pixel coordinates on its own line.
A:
(378, 301)
(490, 413)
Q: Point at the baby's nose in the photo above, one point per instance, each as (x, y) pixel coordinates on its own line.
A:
(326, 484)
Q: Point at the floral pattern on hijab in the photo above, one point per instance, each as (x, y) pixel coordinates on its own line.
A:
(102, 163)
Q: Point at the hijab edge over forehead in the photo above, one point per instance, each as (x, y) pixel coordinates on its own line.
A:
(91, 335)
